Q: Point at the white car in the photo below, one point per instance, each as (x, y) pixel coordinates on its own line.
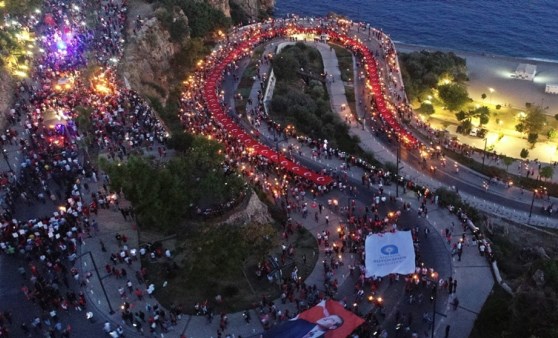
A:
(474, 132)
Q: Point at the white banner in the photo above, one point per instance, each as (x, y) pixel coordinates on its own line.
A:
(389, 253)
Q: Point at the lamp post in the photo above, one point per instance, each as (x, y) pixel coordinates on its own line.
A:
(484, 151)
(531, 209)
(111, 311)
(5, 154)
(491, 90)
(433, 298)
(397, 165)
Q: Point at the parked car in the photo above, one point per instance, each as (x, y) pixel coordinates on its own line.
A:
(474, 132)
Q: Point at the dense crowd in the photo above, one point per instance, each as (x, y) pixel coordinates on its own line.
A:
(57, 112)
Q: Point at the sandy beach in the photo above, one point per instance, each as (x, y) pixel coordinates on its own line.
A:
(490, 71)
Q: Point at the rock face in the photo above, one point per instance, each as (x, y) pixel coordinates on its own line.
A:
(146, 62)
(255, 7)
(256, 211)
(222, 5)
(7, 87)
(538, 278)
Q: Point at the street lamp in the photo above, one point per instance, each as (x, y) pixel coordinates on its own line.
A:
(5, 154)
(484, 151)
(111, 311)
(397, 165)
(531, 209)
(491, 90)
(434, 298)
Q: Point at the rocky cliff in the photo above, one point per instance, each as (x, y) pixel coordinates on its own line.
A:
(222, 5)
(255, 8)
(145, 65)
(256, 211)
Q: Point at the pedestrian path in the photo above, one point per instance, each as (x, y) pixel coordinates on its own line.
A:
(461, 320)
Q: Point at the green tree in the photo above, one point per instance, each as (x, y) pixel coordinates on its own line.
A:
(427, 108)
(483, 96)
(180, 141)
(507, 161)
(556, 117)
(524, 153)
(535, 120)
(453, 95)
(483, 113)
(162, 194)
(19, 7)
(532, 138)
(285, 66)
(203, 18)
(520, 127)
(547, 172)
(421, 71)
(461, 115)
(552, 133)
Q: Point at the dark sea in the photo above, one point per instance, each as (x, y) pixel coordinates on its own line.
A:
(526, 28)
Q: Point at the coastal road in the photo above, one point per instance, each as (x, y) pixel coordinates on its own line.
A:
(433, 252)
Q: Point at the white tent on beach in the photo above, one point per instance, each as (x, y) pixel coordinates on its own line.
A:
(551, 89)
(525, 71)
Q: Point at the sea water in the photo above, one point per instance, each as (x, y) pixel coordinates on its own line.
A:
(521, 28)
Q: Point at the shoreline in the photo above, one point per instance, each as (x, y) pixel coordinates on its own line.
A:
(493, 71)
(417, 47)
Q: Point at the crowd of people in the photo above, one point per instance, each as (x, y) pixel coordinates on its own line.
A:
(50, 107)
(58, 113)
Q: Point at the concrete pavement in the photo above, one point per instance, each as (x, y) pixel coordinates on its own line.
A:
(472, 272)
(111, 222)
(438, 220)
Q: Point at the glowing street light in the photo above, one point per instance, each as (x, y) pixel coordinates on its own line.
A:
(491, 90)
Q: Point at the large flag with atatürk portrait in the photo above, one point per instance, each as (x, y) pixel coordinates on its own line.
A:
(328, 319)
(390, 252)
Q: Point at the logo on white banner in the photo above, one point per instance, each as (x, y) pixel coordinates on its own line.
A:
(389, 253)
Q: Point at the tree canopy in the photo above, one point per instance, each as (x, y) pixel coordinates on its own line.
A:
(202, 18)
(482, 113)
(547, 172)
(161, 194)
(535, 120)
(454, 95)
(421, 71)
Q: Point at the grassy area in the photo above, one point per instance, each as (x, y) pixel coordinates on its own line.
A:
(346, 66)
(351, 101)
(220, 273)
(345, 59)
(247, 80)
(502, 121)
(303, 101)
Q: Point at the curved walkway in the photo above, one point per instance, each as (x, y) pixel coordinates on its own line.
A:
(461, 321)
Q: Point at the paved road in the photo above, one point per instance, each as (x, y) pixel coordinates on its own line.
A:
(23, 311)
(434, 252)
